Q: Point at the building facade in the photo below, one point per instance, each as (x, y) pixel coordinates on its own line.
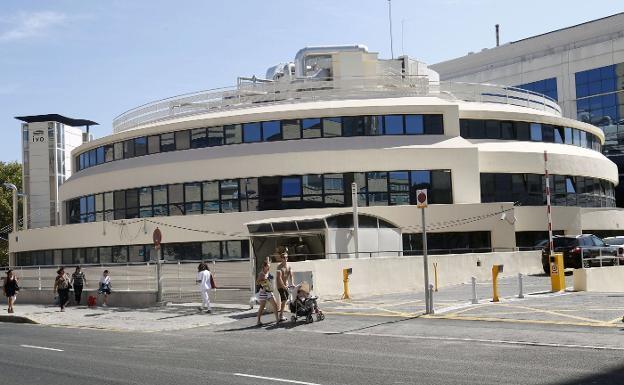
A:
(47, 143)
(582, 67)
(273, 161)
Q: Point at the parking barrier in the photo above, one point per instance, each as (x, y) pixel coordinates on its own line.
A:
(475, 300)
(520, 293)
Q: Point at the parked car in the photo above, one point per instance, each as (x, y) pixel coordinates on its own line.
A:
(578, 251)
(619, 243)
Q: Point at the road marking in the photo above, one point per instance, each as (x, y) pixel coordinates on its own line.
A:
(275, 379)
(398, 315)
(482, 340)
(42, 348)
(512, 320)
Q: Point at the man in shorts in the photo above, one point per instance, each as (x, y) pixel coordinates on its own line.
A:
(284, 279)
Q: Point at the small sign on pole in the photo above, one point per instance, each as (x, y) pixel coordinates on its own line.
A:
(157, 237)
(421, 198)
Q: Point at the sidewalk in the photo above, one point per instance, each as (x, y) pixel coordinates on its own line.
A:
(153, 319)
(539, 305)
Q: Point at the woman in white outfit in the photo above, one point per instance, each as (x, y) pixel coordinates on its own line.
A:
(203, 279)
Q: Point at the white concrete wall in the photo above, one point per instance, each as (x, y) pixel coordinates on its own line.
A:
(608, 279)
(401, 274)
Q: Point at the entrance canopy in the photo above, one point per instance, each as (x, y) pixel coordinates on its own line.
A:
(315, 224)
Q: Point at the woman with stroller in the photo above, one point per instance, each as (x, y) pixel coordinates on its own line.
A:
(265, 292)
(10, 288)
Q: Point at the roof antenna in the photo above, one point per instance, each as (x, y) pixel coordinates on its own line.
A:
(390, 18)
(497, 35)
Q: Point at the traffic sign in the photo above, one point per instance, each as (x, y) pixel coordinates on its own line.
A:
(421, 198)
(157, 237)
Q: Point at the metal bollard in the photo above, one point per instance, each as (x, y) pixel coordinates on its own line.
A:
(431, 311)
(474, 290)
(520, 293)
(39, 276)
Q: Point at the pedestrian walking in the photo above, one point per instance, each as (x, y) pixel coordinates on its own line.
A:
(265, 292)
(78, 281)
(284, 279)
(62, 284)
(10, 289)
(204, 280)
(105, 287)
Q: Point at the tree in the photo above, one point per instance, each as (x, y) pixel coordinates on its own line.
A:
(12, 173)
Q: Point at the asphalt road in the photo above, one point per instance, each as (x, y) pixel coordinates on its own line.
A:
(338, 351)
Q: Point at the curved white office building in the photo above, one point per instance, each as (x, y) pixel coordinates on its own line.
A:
(275, 159)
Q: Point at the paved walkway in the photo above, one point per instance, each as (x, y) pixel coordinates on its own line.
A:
(153, 319)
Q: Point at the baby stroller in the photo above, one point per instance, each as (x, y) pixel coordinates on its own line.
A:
(304, 305)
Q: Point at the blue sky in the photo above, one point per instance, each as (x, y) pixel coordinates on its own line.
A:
(95, 59)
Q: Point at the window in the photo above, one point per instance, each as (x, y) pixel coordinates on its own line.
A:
(434, 124)
(229, 195)
(128, 148)
(332, 127)
(233, 134)
(414, 125)
(216, 136)
(393, 125)
(291, 129)
(291, 188)
(167, 142)
(399, 187)
(176, 199)
(140, 146)
(99, 157)
(199, 138)
(251, 132)
(211, 197)
(353, 126)
(536, 132)
(182, 140)
(271, 131)
(109, 155)
(546, 87)
(493, 129)
(153, 144)
(311, 128)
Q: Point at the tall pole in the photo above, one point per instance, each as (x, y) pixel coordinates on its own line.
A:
(390, 18)
(356, 221)
(548, 210)
(13, 189)
(425, 263)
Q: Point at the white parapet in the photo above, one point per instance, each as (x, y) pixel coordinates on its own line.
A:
(608, 279)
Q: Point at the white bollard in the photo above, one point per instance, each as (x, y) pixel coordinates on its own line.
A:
(520, 293)
(474, 290)
(431, 311)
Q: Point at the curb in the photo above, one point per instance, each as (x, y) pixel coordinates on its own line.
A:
(17, 319)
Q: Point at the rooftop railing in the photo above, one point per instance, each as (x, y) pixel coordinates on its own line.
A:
(253, 93)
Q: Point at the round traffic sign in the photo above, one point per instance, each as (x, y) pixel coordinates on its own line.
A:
(157, 237)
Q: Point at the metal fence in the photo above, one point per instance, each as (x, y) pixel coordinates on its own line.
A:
(250, 94)
(232, 277)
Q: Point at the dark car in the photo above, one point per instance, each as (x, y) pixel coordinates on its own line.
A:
(578, 250)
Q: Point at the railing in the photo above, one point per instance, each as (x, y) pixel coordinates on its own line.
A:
(256, 94)
(599, 257)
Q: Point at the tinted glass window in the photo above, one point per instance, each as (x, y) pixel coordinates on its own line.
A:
(271, 131)
(291, 129)
(251, 132)
(393, 125)
(167, 142)
(233, 134)
(183, 140)
(199, 138)
(311, 128)
(332, 127)
(216, 136)
(140, 146)
(153, 144)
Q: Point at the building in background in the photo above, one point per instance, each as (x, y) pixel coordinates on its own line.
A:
(47, 143)
(581, 67)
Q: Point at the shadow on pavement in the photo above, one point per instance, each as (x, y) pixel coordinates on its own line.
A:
(611, 377)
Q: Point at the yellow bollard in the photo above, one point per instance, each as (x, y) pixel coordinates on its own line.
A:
(557, 273)
(345, 280)
(495, 270)
(435, 275)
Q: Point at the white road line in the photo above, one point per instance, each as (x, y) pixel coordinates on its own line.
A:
(508, 342)
(274, 379)
(42, 348)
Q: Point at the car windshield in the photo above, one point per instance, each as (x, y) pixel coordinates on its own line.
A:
(565, 242)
